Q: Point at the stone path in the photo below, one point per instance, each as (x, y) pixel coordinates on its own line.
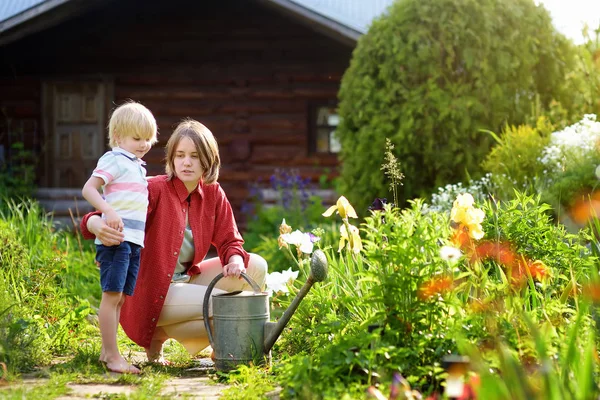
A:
(195, 385)
(192, 388)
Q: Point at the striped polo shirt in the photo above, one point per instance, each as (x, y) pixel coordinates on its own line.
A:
(125, 190)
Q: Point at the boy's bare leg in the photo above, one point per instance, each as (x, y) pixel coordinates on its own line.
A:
(107, 317)
(120, 305)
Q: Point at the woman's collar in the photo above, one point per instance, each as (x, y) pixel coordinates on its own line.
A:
(182, 191)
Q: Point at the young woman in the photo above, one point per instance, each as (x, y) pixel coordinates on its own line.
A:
(187, 212)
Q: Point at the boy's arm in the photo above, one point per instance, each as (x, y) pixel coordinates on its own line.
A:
(91, 193)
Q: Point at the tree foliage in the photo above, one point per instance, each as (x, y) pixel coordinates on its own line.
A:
(430, 75)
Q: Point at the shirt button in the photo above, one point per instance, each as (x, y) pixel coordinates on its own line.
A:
(162, 297)
(175, 253)
(183, 209)
(168, 275)
(153, 319)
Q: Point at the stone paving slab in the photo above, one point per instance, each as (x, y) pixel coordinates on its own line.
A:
(194, 388)
(87, 391)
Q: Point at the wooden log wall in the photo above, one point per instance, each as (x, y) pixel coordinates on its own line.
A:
(248, 72)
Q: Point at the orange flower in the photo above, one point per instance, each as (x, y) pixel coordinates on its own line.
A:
(538, 270)
(499, 251)
(592, 291)
(460, 237)
(434, 286)
(521, 271)
(586, 207)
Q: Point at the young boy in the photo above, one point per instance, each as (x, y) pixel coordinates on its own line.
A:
(131, 132)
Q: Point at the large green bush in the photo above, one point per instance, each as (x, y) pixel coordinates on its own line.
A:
(430, 74)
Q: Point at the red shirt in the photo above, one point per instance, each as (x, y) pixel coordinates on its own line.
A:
(212, 222)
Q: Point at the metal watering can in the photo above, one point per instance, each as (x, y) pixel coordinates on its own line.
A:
(242, 330)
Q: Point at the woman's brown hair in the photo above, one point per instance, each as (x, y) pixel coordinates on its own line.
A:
(206, 146)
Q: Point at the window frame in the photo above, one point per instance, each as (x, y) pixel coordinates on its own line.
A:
(313, 127)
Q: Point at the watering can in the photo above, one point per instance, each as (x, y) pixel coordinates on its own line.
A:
(242, 332)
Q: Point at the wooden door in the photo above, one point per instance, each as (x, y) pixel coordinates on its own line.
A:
(77, 131)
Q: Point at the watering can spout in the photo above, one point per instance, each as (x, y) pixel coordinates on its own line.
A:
(318, 273)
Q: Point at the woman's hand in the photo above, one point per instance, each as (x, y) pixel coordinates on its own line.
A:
(107, 235)
(235, 266)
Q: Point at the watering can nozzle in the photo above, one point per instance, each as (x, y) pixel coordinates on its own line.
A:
(318, 266)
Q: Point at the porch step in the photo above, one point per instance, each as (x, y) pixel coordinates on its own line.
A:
(58, 202)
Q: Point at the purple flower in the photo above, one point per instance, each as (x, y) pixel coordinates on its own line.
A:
(378, 204)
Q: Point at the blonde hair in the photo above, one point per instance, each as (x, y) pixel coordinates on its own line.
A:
(206, 146)
(131, 119)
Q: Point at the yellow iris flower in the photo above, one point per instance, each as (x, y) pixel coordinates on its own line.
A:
(343, 208)
(465, 214)
(353, 239)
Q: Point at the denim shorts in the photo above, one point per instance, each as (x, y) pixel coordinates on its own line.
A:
(119, 266)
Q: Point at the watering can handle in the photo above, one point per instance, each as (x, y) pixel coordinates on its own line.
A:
(209, 289)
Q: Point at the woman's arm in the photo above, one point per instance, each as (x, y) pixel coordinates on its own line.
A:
(235, 266)
(93, 226)
(226, 237)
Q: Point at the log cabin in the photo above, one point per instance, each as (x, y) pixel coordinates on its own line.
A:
(263, 75)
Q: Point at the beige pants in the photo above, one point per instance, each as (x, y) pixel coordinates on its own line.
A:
(181, 317)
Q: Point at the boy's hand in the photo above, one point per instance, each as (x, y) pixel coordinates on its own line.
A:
(114, 221)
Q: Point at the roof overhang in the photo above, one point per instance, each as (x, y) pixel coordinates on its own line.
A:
(316, 21)
(53, 12)
(40, 17)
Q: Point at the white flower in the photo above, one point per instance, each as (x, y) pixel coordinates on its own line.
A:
(450, 254)
(294, 238)
(299, 239)
(277, 281)
(578, 139)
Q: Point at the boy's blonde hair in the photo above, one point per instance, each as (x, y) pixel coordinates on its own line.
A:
(206, 146)
(131, 119)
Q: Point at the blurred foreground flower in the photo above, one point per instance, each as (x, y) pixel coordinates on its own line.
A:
(278, 281)
(434, 287)
(343, 208)
(400, 389)
(450, 254)
(501, 252)
(586, 208)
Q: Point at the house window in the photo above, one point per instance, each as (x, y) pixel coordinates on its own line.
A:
(324, 122)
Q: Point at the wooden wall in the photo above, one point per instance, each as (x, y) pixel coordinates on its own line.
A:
(246, 71)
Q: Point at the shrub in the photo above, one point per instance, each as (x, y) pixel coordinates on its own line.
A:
(430, 74)
(513, 162)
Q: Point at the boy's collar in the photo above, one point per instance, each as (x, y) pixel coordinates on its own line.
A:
(127, 154)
